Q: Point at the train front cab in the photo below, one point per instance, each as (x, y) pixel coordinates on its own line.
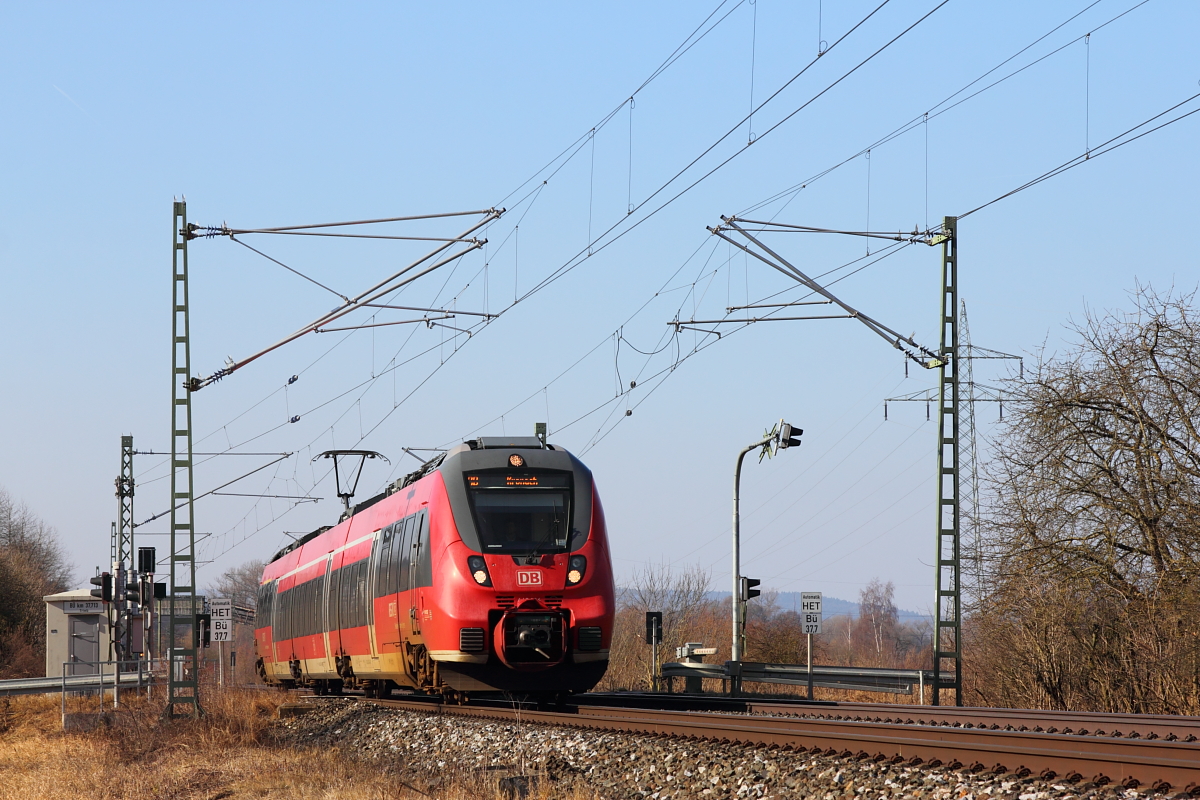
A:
(525, 591)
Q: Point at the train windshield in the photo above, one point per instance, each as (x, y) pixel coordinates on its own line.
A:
(521, 513)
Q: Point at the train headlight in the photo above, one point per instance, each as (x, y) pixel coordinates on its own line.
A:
(577, 568)
(478, 569)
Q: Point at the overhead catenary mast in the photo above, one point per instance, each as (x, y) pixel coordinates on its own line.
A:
(183, 667)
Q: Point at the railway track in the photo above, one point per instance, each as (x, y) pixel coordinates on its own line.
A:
(1129, 726)
(1152, 752)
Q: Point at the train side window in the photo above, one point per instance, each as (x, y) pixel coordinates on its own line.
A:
(384, 569)
(425, 561)
(351, 618)
(346, 620)
(306, 613)
(363, 597)
(314, 620)
(394, 558)
(331, 601)
(357, 599)
(302, 610)
(318, 594)
(284, 605)
(299, 613)
(383, 561)
(286, 614)
(402, 545)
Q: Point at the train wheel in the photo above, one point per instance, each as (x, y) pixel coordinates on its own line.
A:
(369, 688)
(383, 689)
(335, 687)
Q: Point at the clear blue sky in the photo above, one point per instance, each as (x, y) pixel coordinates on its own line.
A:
(273, 114)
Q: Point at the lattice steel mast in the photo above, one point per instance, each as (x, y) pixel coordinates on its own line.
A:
(947, 621)
(123, 538)
(183, 687)
(969, 458)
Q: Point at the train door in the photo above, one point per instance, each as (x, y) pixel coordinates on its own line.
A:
(332, 618)
(273, 619)
(407, 585)
(323, 615)
(377, 551)
(418, 567)
(387, 629)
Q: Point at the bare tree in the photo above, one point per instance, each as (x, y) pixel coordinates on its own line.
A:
(240, 584)
(682, 597)
(32, 565)
(1093, 521)
(877, 612)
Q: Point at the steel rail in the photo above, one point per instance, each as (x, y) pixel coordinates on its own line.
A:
(1081, 723)
(1131, 763)
(1152, 726)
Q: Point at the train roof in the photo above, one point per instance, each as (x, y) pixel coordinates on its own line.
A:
(429, 467)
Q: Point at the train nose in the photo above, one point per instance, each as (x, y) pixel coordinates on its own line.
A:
(531, 639)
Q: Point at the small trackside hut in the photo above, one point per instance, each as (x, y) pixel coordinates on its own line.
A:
(487, 570)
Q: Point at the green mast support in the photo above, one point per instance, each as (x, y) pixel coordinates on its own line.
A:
(123, 554)
(183, 672)
(124, 483)
(947, 623)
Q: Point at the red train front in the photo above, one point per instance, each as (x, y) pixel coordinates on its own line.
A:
(487, 570)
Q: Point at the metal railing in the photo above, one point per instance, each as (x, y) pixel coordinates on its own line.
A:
(863, 679)
(131, 674)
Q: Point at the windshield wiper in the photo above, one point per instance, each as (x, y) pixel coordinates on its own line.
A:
(535, 557)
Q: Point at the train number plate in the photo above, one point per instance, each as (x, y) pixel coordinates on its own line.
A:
(529, 577)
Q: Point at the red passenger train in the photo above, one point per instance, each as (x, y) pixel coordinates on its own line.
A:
(486, 570)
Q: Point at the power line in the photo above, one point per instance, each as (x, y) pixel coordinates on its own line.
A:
(1096, 152)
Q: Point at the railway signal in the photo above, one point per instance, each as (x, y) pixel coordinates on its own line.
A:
(654, 639)
(789, 436)
(780, 436)
(653, 627)
(105, 583)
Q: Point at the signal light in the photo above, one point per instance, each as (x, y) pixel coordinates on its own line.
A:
(577, 568)
(789, 436)
(146, 560)
(748, 590)
(133, 593)
(105, 582)
(654, 631)
(479, 571)
(203, 632)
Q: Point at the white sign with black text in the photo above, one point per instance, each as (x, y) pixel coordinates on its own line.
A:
(222, 619)
(810, 611)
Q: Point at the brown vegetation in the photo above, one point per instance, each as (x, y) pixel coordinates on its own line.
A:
(32, 565)
(1089, 597)
(230, 752)
(875, 638)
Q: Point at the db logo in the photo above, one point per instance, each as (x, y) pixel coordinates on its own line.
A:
(529, 577)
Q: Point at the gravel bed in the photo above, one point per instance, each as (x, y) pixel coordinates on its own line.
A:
(433, 751)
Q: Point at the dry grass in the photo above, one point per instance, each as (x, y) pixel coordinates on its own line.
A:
(226, 754)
